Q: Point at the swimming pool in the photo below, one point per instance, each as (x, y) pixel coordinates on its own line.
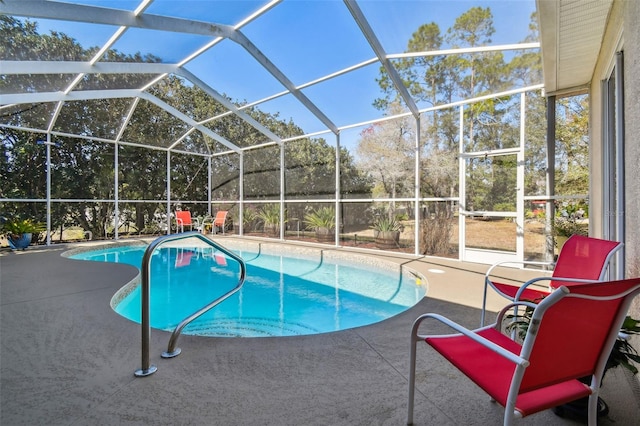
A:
(284, 294)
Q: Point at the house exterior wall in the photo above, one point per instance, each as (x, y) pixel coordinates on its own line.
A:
(622, 33)
(632, 133)
(606, 60)
(632, 140)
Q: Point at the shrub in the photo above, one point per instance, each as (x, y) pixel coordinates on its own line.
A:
(324, 217)
(436, 231)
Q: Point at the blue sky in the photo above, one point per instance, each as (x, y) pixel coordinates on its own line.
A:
(304, 39)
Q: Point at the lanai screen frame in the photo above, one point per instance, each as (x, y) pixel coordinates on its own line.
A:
(137, 18)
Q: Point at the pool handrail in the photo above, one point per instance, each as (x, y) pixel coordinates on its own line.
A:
(148, 368)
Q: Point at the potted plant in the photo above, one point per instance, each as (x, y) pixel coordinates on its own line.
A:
(386, 233)
(19, 232)
(564, 227)
(249, 217)
(269, 215)
(622, 354)
(323, 221)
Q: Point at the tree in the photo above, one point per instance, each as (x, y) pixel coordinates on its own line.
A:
(420, 74)
(84, 170)
(572, 147)
(386, 153)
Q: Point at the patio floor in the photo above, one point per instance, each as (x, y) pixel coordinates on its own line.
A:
(67, 359)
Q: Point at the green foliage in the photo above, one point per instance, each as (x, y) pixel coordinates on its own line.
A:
(519, 323)
(324, 217)
(21, 226)
(566, 227)
(504, 207)
(85, 171)
(249, 215)
(623, 354)
(269, 215)
(491, 124)
(384, 224)
(535, 214)
(402, 216)
(572, 151)
(568, 220)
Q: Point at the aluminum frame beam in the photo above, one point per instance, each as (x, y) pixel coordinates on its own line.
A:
(62, 67)
(82, 13)
(25, 98)
(375, 44)
(101, 15)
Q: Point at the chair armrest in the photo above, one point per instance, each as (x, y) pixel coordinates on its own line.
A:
(514, 262)
(510, 306)
(524, 286)
(207, 220)
(472, 334)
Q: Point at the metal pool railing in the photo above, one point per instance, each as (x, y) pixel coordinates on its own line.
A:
(148, 368)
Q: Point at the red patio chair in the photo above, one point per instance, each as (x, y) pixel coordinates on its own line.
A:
(582, 259)
(575, 330)
(220, 221)
(183, 218)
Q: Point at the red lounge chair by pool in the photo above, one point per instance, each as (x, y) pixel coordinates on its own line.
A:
(575, 329)
(220, 221)
(582, 259)
(183, 219)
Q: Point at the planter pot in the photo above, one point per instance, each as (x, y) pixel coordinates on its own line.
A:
(246, 227)
(386, 240)
(325, 235)
(272, 230)
(21, 242)
(579, 409)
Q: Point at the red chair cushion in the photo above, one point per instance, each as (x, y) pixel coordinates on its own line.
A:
(493, 373)
(529, 294)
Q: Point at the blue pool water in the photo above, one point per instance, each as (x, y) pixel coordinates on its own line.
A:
(282, 295)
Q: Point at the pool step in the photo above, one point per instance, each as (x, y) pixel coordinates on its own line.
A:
(248, 327)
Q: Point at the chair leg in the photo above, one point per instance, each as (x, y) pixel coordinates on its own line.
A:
(592, 412)
(484, 304)
(412, 380)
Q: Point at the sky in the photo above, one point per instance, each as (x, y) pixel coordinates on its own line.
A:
(305, 39)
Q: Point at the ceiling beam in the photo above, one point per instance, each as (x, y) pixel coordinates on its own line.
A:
(81, 95)
(28, 98)
(63, 67)
(262, 59)
(101, 15)
(76, 67)
(229, 105)
(375, 44)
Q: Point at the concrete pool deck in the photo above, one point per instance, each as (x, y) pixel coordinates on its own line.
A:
(67, 359)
